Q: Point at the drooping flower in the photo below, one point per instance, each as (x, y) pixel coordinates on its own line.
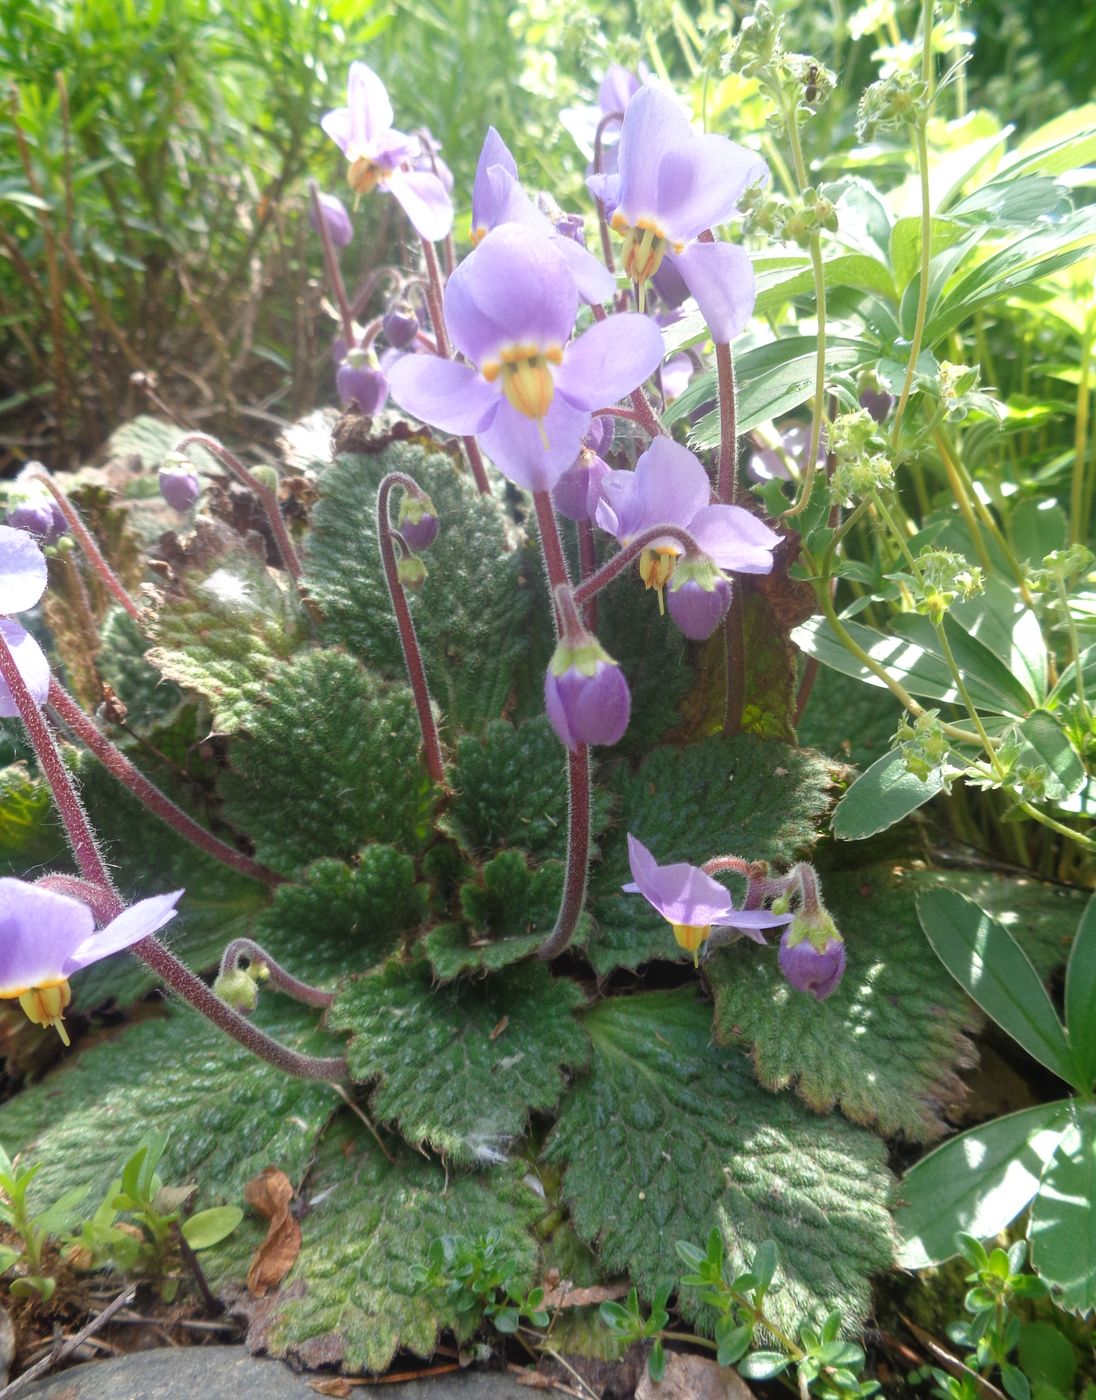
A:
(812, 959)
(401, 324)
(698, 597)
(382, 158)
(586, 696)
(336, 219)
(360, 382)
(180, 488)
(40, 517)
(22, 583)
(45, 937)
(528, 390)
(498, 198)
(670, 186)
(691, 901)
(417, 522)
(670, 487)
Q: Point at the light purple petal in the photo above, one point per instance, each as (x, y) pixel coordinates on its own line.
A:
(720, 276)
(38, 931)
(681, 893)
(701, 182)
(486, 190)
(609, 360)
(22, 570)
(370, 110)
(31, 663)
(675, 376)
(654, 126)
(595, 283)
(672, 484)
(422, 197)
(337, 125)
(513, 442)
(514, 288)
(734, 539)
(444, 394)
(131, 925)
(616, 89)
(605, 187)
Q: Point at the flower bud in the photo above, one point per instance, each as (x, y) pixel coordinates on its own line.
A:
(401, 324)
(577, 493)
(361, 384)
(698, 597)
(335, 217)
(35, 517)
(599, 435)
(585, 694)
(238, 989)
(266, 476)
(875, 398)
(812, 954)
(411, 572)
(180, 488)
(417, 522)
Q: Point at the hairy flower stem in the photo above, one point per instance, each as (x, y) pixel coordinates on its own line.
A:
(168, 967)
(409, 642)
(278, 976)
(267, 498)
(587, 561)
(479, 471)
(148, 793)
(331, 264)
(727, 479)
(592, 586)
(602, 220)
(645, 414)
(110, 580)
(578, 760)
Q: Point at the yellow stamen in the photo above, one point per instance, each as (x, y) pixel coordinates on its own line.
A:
(656, 567)
(526, 379)
(690, 937)
(364, 175)
(44, 1005)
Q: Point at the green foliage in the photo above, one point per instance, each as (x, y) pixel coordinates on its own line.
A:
(223, 627)
(330, 762)
(354, 1296)
(884, 1046)
(882, 796)
(479, 1277)
(667, 1133)
(472, 613)
(29, 833)
(1063, 1225)
(461, 1066)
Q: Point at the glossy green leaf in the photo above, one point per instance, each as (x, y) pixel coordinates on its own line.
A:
(989, 682)
(882, 796)
(977, 1182)
(991, 967)
(210, 1227)
(1063, 1223)
(1081, 996)
(1046, 745)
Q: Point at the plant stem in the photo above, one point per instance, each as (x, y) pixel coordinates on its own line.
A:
(435, 294)
(409, 642)
(479, 471)
(331, 263)
(267, 498)
(602, 221)
(1074, 650)
(279, 977)
(587, 561)
(590, 587)
(727, 478)
(110, 580)
(926, 258)
(1078, 532)
(578, 761)
(116, 763)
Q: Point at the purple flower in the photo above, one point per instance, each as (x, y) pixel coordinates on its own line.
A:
(585, 694)
(417, 522)
(671, 185)
(578, 491)
(698, 597)
(808, 967)
(675, 376)
(361, 383)
(691, 901)
(36, 518)
(45, 937)
(22, 583)
(429, 158)
(401, 324)
(180, 488)
(335, 218)
(528, 390)
(769, 462)
(498, 198)
(383, 159)
(670, 487)
(599, 435)
(875, 397)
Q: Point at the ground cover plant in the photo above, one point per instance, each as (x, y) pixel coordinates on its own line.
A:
(594, 800)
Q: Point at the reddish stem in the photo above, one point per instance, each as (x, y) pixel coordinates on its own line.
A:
(727, 479)
(602, 221)
(479, 471)
(147, 792)
(629, 413)
(435, 293)
(331, 264)
(269, 501)
(109, 578)
(409, 642)
(590, 587)
(279, 977)
(587, 562)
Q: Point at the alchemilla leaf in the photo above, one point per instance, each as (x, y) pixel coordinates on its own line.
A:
(461, 1066)
(667, 1135)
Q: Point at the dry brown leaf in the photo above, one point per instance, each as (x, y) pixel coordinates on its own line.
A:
(691, 1377)
(567, 1297)
(270, 1194)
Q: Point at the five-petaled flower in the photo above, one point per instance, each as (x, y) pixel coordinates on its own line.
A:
(529, 390)
(670, 186)
(382, 158)
(691, 901)
(45, 937)
(22, 583)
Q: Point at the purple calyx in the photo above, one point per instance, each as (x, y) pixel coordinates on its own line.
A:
(180, 488)
(586, 696)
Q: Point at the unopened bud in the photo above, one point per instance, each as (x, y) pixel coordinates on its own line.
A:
(238, 989)
(411, 572)
(266, 476)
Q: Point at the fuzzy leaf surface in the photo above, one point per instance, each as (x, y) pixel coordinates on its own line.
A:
(330, 762)
(351, 1297)
(461, 1066)
(668, 1135)
(885, 1046)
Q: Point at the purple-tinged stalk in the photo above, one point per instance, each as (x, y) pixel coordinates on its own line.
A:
(276, 974)
(587, 562)
(110, 580)
(409, 642)
(149, 794)
(591, 587)
(578, 758)
(602, 215)
(267, 498)
(166, 966)
(331, 264)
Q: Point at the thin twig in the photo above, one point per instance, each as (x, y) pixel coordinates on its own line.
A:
(68, 1347)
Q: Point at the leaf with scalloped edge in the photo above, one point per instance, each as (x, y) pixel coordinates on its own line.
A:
(329, 761)
(668, 1135)
(351, 1298)
(886, 1046)
(757, 798)
(471, 614)
(224, 624)
(461, 1066)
